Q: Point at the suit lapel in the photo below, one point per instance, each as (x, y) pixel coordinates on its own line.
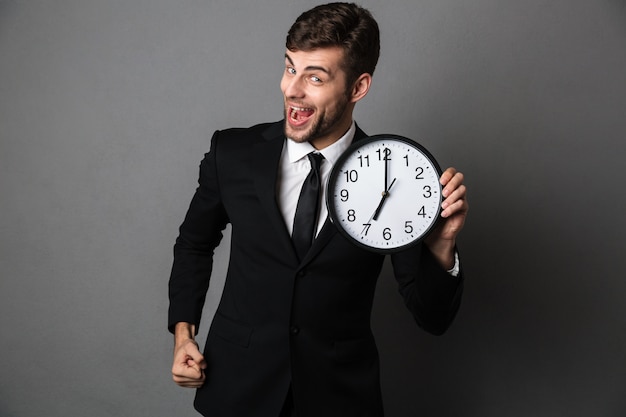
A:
(266, 161)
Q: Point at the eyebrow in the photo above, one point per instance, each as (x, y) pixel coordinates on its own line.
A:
(310, 67)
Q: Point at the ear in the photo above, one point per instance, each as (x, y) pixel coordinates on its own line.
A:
(361, 87)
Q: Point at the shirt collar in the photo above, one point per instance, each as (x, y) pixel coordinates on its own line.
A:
(298, 150)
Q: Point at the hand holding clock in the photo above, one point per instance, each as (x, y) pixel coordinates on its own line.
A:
(442, 239)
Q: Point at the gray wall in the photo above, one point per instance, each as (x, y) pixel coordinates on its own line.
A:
(106, 108)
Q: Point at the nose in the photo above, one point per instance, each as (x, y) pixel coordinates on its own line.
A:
(292, 87)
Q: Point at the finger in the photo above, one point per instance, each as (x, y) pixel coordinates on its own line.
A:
(453, 208)
(190, 383)
(185, 380)
(188, 377)
(193, 366)
(453, 184)
(451, 196)
(454, 205)
(186, 367)
(190, 353)
(195, 358)
(447, 176)
(187, 374)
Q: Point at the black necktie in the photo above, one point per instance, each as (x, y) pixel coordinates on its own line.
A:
(307, 210)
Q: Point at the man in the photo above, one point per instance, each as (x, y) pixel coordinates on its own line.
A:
(291, 335)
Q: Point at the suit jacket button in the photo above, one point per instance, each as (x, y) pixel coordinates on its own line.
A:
(301, 273)
(294, 330)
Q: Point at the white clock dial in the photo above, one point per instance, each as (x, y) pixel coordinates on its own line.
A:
(384, 193)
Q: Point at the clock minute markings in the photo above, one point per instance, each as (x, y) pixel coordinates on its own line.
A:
(365, 164)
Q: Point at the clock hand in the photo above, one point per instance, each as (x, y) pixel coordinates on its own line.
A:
(382, 200)
(385, 193)
(375, 214)
(386, 173)
(386, 189)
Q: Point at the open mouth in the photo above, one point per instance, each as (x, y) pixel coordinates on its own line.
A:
(299, 115)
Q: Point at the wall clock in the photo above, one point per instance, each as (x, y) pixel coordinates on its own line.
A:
(384, 193)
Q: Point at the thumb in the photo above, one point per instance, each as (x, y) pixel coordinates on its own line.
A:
(195, 359)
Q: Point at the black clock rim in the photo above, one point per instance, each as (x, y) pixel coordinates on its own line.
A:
(332, 179)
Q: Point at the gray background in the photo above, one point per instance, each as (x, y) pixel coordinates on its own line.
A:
(106, 108)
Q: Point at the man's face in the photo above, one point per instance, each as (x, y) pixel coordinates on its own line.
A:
(318, 105)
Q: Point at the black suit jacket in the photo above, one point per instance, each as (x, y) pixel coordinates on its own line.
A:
(282, 321)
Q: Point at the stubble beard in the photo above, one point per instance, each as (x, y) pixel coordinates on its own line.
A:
(322, 125)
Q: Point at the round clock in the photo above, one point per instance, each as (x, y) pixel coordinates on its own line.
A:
(384, 193)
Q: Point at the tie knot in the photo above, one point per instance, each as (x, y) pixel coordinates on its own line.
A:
(316, 160)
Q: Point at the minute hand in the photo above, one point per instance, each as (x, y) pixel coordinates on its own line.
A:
(382, 200)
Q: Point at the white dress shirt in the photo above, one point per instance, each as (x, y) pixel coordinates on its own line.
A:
(294, 168)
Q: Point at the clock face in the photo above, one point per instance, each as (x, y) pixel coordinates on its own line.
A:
(384, 193)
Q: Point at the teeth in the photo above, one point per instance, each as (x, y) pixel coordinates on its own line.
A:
(293, 111)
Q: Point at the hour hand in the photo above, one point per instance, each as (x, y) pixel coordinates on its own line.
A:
(382, 200)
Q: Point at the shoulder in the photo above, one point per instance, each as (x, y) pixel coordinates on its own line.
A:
(237, 144)
(359, 134)
(238, 135)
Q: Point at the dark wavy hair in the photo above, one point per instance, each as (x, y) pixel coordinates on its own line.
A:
(345, 25)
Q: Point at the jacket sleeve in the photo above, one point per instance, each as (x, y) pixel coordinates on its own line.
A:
(199, 235)
(431, 294)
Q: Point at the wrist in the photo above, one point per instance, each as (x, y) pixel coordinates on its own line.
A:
(443, 251)
(184, 331)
